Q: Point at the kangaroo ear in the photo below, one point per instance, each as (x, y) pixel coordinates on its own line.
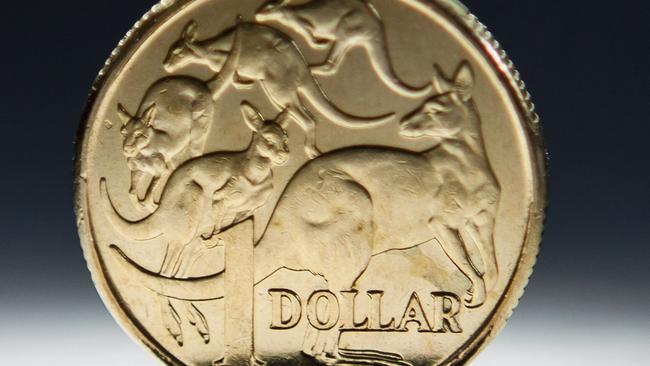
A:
(436, 106)
(149, 115)
(124, 115)
(190, 33)
(440, 83)
(274, 4)
(283, 118)
(252, 117)
(197, 116)
(464, 82)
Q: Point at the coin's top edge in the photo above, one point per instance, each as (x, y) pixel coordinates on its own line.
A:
(476, 30)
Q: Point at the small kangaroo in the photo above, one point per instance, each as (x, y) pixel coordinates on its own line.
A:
(231, 186)
(170, 127)
(341, 25)
(346, 207)
(252, 53)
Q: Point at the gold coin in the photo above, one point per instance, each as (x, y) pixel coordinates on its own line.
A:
(325, 181)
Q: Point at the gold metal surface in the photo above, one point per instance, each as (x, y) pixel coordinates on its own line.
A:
(313, 182)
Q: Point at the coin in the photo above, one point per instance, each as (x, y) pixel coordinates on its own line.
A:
(322, 181)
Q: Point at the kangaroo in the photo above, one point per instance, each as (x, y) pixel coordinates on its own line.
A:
(470, 193)
(348, 206)
(252, 53)
(231, 186)
(169, 128)
(341, 25)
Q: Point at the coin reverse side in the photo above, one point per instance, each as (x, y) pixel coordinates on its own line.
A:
(310, 182)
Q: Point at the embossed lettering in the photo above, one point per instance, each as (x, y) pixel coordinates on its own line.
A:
(376, 322)
(348, 317)
(280, 300)
(446, 307)
(323, 310)
(337, 203)
(322, 186)
(414, 313)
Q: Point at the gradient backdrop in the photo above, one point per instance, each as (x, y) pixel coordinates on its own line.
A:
(586, 64)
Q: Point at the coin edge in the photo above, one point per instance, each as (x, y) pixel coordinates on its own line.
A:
(475, 32)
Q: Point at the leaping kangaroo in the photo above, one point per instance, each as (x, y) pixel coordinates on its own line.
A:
(252, 53)
(348, 206)
(341, 25)
(228, 186)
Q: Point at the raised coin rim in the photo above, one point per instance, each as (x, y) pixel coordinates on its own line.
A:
(476, 32)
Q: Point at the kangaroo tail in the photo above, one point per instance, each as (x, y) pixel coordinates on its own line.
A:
(191, 289)
(142, 230)
(219, 83)
(316, 96)
(383, 67)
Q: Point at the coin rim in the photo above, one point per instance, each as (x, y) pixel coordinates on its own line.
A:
(473, 30)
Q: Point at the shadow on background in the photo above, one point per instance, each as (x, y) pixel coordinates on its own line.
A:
(585, 63)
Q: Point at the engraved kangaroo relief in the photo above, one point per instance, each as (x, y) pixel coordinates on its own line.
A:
(229, 186)
(338, 212)
(470, 193)
(253, 54)
(340, 26)
(171, 126)
(326, 182)
(203, 197)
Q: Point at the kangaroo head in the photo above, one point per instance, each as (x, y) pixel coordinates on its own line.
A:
(271, 10)
(270, 137)
(183, 51)
(136, 131)
(446, 114)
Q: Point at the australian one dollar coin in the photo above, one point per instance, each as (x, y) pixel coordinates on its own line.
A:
(354, 182)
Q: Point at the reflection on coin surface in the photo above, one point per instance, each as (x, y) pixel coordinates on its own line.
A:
(313, 182)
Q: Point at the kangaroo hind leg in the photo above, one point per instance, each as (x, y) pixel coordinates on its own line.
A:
(308, 31)
(470, 238)
(308, 123)
(171, 260)
(453, 246)
(322, 345)
(483, 229)
(339, 49)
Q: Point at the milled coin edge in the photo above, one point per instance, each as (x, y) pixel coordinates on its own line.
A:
(504, 66)
(484, 40)
(128, 45)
